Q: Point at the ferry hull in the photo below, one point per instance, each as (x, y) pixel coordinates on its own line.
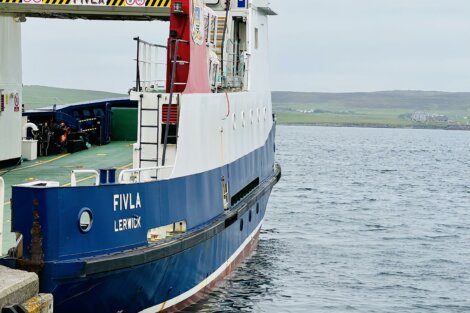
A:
(71, 268)
(169, 284)
(192, 205)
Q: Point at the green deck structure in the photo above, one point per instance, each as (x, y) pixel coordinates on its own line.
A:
(124, 124)
(57, 168)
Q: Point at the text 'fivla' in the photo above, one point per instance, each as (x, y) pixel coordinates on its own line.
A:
(126, 201)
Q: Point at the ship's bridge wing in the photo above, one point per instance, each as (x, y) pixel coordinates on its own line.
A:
(88, 9)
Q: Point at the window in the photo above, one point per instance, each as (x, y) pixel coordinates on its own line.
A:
(256, 38)
(85, 220)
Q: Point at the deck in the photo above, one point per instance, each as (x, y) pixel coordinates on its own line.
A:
(57, 168)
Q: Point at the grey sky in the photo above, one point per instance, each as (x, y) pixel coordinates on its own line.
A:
(316, 45)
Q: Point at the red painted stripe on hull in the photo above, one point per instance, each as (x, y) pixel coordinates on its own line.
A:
(203, 293)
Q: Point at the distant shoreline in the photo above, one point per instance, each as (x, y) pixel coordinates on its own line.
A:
(352, 125)
(406, 109)
(383, 109)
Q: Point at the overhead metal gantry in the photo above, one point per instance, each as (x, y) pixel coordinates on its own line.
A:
(14, 12)
(142, 10)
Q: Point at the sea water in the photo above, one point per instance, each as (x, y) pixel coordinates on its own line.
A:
(363, 220)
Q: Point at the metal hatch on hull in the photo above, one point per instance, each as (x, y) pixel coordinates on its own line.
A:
(88, 9)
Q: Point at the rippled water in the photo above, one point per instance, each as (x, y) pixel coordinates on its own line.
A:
(364, 220)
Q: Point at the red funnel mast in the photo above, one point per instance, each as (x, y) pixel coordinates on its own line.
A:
(188, 67)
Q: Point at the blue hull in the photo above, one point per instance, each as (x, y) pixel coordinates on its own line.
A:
(136, 289)
(61, 253)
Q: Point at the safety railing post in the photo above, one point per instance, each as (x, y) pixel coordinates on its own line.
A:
(122, 175)
(94, 174)
(137, 61)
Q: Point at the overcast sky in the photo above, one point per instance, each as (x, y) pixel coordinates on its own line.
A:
(316, 45)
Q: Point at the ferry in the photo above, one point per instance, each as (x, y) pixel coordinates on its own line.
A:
(157, 234)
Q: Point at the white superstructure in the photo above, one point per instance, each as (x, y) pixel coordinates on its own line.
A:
(217, 128)
(10, 89)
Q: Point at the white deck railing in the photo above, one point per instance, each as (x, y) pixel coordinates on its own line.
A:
(73, 176)
(130, 176)
(134, 175)
(151, 66)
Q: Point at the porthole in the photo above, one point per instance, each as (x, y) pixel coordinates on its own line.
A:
(234, 121)
(241, 225)
(243, 119)
(264, 113)
(258, 115)
(249, 216)
(257, 208)
(85, 220)
(251, 117)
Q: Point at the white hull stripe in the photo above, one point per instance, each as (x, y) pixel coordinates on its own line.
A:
(205, 282)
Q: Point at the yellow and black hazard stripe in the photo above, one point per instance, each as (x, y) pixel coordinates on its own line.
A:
(116, 3)
(158, 3)
(10, 1)
(55, 1)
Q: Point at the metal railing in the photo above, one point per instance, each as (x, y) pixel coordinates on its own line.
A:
(73, 176)
(235, 67)
(135, 174)
(150, 66)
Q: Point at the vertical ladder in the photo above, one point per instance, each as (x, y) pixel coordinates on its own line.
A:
(143, 143)
(150, 76)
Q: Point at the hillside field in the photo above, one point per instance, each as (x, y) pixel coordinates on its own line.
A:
(39, 96)
(376, 109)
(367, 109)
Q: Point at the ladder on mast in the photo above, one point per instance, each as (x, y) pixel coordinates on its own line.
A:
(174, 63)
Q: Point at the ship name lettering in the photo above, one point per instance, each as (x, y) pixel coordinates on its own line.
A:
(127, 224)
(126, 202)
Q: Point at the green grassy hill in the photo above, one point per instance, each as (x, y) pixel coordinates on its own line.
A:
(373, 109)
(40, 96)
(399, 99)
(367, 109)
